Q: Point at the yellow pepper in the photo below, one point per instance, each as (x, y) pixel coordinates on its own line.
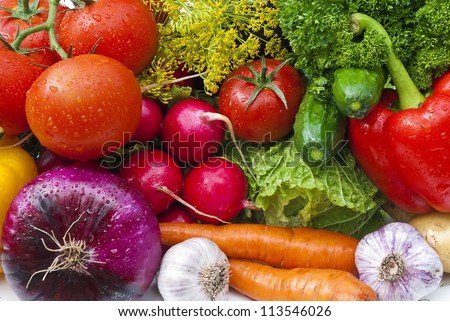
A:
(17, 168)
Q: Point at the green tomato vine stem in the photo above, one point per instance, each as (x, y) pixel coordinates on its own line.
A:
(48, 25)
(409, 94)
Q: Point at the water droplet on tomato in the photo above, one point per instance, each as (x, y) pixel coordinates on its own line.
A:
(97, 17)
(107, 16)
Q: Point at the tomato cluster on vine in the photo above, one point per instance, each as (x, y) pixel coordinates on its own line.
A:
(69, 74)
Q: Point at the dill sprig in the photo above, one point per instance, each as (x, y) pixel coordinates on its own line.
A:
(216, 36)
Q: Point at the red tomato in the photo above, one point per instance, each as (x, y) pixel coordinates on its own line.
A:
(266, 119)
(84, 107)
(125, 30)
(9, 27)
(17, 73)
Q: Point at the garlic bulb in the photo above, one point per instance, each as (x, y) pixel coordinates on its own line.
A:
(398, 263)
(194, 270)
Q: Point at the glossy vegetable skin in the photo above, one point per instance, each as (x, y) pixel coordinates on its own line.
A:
(17, 168)
(267, 118)
(319, 130)
(262, 282)
(147, 171)
(405, 153)
(84, 107)
(125, 30)
(277, 246)
(418, 140)
(17, 74)
(414, 139)
(27, 14)
(369, 146)
(357, 90)
(218, 188)
(149, 126)
(111, 236)
(190, 133)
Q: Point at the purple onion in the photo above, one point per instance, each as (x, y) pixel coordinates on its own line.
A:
(80, 234)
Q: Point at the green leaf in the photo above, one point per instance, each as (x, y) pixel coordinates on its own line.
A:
(291, 193)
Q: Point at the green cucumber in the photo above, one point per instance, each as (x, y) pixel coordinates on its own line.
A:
(319, 130)
(356, 91)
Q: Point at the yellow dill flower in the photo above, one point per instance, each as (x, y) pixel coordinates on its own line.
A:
(160, 70)
(218, 36)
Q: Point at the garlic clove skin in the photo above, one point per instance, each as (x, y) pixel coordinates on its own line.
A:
(194, 270)
(398, 263)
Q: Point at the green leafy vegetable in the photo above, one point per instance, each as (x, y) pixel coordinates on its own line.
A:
(290, 193)
(321, 40)
(432, 43)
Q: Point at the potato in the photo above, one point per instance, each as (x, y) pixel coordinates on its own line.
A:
(435, 227)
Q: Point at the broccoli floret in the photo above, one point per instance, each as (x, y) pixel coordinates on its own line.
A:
(318, 32)
(432, 41)
(312, 28)
(397, 17)
(321, 41)
(319, 35)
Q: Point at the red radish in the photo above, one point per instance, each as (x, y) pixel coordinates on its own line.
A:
(151, 119)
(148, 170)
(216, 191)
(80, 234)
(191, 131)
(177, 213)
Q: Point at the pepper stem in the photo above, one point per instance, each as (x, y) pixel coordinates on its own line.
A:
(409, 94)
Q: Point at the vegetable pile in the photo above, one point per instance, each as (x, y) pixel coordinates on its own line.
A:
(269, 147)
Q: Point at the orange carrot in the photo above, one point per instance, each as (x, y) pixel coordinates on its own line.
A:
(277, 246)
(266, 283)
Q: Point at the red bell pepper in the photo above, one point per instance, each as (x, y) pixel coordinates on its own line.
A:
(368, 144)
(419, 142)
(406, 153)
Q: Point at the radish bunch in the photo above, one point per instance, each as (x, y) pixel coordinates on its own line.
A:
(186, 171)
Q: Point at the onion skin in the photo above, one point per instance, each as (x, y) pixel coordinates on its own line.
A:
(116, 223)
